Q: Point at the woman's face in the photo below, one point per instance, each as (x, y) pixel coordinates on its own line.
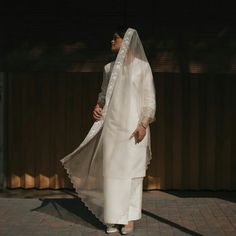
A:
(116, 43)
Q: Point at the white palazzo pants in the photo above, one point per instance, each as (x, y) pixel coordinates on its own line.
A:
(122, 200)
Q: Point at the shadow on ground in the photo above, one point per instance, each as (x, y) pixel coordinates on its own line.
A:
(71, 210)
(74, 211)
(224, 195)
(171, 223)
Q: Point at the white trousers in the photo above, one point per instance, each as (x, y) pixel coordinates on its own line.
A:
(122, 200)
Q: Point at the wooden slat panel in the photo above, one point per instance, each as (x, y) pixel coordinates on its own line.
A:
(211, 108)
(58, 126)
(43, 147)
(223, 135)
(233, 136)
(186, 128)
(168, 116)
(177, 133)
(219, 157)
(14, 171)
(194, 134)
(203, 172)
(73, 122)
(158, 143)
(193, 138)
(227, 124)
(27, 135)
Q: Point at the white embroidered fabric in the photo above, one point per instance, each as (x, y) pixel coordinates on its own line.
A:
(128, 95)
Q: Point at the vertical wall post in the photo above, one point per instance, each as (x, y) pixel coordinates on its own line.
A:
(2, 131)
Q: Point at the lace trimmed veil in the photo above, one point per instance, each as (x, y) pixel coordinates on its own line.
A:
(85, 165)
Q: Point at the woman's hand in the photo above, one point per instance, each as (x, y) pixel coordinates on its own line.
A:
(139, 134)
(97, 112)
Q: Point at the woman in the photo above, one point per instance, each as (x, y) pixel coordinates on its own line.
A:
(108, 167)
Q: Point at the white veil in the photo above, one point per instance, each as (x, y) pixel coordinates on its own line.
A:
(130, 99)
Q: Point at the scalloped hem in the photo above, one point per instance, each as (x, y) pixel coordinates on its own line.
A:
(81, 197)
(94, 212)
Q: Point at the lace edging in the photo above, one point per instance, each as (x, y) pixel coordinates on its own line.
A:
(81, 196)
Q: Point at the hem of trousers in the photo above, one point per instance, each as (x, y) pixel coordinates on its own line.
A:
(124, 222)
(131, 215)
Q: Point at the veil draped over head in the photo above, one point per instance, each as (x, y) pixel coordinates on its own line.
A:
(108, 150)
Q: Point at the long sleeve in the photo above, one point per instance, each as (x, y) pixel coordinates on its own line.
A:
(149, 97)
(102, 95)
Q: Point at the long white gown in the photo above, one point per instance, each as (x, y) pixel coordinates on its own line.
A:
(126, 155)
(122, 194)
(107, 168)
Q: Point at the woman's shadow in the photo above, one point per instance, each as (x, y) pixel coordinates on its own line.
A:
(72, 210)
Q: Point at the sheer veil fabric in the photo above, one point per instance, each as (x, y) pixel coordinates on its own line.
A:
(108, 150)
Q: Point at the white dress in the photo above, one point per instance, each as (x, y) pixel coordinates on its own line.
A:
(128, 159)
(107, 168)
(122, 193)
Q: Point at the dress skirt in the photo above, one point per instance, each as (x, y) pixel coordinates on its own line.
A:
(122, 199)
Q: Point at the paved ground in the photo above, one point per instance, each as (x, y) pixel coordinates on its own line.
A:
(48, 212)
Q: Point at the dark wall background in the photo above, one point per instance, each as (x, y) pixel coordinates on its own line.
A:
(193, 138)
(75, 35)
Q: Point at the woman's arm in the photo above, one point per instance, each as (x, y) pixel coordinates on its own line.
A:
(148, 105)
(149, 98)
(97, 112)
(102, 95)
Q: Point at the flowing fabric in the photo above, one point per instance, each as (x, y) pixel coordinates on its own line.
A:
(108, 150)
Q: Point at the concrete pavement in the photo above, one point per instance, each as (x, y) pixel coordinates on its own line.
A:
(55, 212)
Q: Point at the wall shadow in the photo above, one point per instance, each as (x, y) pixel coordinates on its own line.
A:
(224, 195)
(171, 223)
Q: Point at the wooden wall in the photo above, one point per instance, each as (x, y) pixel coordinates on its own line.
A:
(193, 138)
